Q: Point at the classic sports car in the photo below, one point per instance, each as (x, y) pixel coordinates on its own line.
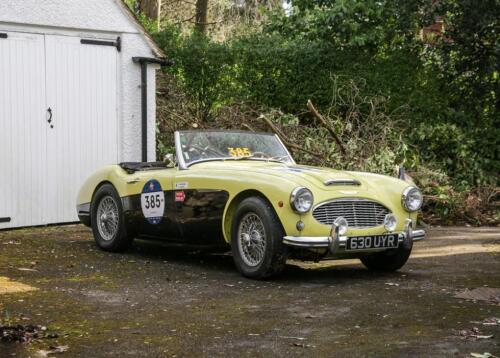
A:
(243, 190)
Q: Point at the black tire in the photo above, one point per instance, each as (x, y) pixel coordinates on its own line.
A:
(275, 254)
(388, 261)
(120, 240)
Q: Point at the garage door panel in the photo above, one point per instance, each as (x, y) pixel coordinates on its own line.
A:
(81, 89)
(42, 167)
(22, 130)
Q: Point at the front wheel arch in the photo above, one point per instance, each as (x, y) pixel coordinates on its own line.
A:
(233, 204)
(271, 257)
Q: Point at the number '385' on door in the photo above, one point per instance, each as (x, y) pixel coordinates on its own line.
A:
(153, 204)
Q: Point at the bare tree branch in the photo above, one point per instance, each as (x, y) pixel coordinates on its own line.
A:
(185, 20)
(327, 125)
(248, 127)
(285, 139)
(209, 23)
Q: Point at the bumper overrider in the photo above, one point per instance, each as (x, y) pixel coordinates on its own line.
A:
(337, 243)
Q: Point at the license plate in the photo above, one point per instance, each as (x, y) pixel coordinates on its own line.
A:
(372, 242)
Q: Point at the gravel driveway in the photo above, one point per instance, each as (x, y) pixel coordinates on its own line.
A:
(156, 301)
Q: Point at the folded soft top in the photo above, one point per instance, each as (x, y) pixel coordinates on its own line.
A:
(132, 167)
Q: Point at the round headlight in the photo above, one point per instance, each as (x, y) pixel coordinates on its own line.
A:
(301, 200)
(342, 224)
(412, 198)
(390, 222)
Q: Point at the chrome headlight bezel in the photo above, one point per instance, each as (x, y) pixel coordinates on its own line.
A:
(408, 195)
(295, 196)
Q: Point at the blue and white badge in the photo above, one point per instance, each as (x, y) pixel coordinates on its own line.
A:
(153, 201)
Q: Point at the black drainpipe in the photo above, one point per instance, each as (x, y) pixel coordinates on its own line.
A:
(144, 61)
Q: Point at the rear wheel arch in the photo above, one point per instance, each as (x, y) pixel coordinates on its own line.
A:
(98, 186)
(232, 206)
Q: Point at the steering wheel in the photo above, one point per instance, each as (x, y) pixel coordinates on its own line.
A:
(261, 155)
(203, 151)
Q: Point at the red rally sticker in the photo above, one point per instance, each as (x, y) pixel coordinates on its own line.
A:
(180, 196)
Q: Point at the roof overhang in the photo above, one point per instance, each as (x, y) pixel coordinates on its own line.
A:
(157, 50)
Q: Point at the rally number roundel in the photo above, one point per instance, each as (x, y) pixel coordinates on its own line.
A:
(152, 201)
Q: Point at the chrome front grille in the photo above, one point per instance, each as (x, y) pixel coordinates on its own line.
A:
(359, 213)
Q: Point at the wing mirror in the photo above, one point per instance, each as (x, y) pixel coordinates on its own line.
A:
(169, 160)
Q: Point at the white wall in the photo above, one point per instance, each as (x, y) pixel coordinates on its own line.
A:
(99, 15)
(102, 19)
(131, 103)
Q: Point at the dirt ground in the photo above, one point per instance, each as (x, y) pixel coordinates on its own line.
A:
(156, 301)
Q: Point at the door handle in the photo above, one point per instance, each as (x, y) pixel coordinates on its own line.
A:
(50, 117)
(133, 181)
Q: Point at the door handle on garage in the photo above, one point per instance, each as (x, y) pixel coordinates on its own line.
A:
(50, 117)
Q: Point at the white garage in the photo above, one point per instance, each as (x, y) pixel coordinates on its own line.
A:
(77, 92)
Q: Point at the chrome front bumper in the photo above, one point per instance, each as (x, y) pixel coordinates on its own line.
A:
(337, 243)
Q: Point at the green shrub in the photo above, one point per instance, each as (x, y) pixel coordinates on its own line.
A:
(393, 99)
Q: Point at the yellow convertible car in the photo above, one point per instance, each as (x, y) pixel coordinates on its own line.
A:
(243, 191)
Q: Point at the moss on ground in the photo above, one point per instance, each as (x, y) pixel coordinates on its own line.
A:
(160, 302)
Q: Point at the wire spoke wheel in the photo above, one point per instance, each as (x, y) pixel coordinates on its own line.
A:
(107, 218)
(252, 239)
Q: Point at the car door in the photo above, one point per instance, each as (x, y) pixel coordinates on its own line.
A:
(150, 207)
(198, 209)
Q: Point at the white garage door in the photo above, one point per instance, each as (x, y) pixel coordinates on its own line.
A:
(42, 163)
(22, 130)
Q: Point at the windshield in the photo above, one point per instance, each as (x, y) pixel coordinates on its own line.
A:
(199, 146)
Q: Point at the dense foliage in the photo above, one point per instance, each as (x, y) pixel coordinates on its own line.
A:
(395, 97)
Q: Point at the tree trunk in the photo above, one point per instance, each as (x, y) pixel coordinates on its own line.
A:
(201, 16)
(151, 8)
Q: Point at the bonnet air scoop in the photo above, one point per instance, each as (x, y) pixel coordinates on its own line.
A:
(330, 182)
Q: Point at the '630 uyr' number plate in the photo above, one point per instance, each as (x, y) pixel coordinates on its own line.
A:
(372, 242)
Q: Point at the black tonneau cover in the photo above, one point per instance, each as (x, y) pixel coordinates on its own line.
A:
(132, 167)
